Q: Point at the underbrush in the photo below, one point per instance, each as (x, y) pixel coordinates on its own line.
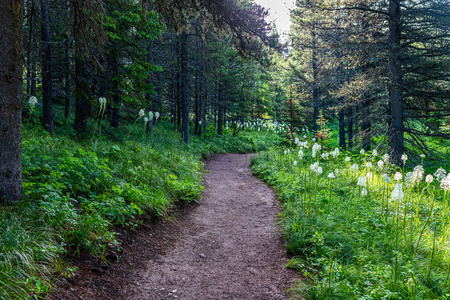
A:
(358, 227)
(77, 188)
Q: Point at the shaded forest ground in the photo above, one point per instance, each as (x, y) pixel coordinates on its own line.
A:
(227, 247)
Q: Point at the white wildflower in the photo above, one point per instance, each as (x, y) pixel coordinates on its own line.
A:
(157, 115)
(295, 162)
(404, 158)
(331, 175)
(32, 101)
(386, 178)
(429, 179)
(369, 175)
(445, 183)
(397, 193)
(300, 154)
(375, 152)
(398, 176)
(422, 155)
(150, 115)
(141, 113)
(145, 120)
(380, 164)
(347, 159)
(364, 192)
(319, 170)
(355, 167)
(315, 149)
(386, 158)
(361, 181)
(440, 174)
(368, 164)
(362, 151)
(336, 172)
(335, 153)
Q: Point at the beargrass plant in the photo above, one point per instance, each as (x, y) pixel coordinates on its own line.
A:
(77, 191)
(354, 232)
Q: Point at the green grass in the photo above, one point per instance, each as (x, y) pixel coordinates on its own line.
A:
(352, 246)
(77, 188)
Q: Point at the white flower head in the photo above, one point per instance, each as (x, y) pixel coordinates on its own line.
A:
(141, 113)
(445, 183)
(156, 115)
(363, 192)
(429, 178)
(146, 120)
(314, 166)
(398, 176)
(297, 141)
(362, 181)
(397, 193)
(369, 175)
(300, 154)
(386, 158)
(404, 158)
(32, 101)
(331, 175)
(200, 122)
(380, 164)
(347, 159)
(295, 162)
(362, 152)
(440, 174)
(325, 155)
(150, 115)
(368, 164)
(374, 152)
(355, 167)
(418, 174)
(335, 153)
(319, 170)
(422, 155)
(315, 149)
(386, 178)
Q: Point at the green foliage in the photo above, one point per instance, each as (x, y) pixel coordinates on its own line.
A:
(355, 246)
(76, 191)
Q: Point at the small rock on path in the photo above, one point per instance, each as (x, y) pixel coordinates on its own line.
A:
(228, 247)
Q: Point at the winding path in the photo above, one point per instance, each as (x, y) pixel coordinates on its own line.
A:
(228, 246)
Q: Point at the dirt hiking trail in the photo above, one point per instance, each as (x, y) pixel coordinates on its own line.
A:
(227, 247)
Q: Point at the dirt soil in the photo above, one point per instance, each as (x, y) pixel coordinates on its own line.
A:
(226, 247)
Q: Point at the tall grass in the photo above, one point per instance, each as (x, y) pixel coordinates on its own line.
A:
(351, 235)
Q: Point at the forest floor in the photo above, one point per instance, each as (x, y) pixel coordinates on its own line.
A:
(225, 247)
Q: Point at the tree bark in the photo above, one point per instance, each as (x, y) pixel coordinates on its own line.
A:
(184, 89)
(396, 130)
(11, 100)
(316, 102)
(68, 83)
(47, 86)
(350, 128)
(82, 107)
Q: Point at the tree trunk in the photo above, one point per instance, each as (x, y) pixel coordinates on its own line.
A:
(220, 112)
(68, 86)
(350, 128)
(11, 100)
(396, 130)
(82, 107)
(184, 89)
(316, 102)
(341, 129)
(47, 86)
